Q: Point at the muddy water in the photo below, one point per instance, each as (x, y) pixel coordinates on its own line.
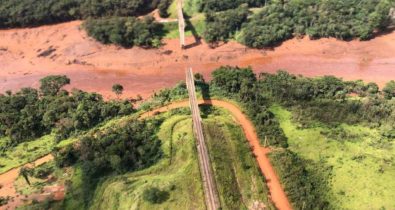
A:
(95, 67)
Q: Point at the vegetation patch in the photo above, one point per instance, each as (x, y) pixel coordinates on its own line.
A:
(125, 31)
(361, 171)
(238, 178)
(176, 173)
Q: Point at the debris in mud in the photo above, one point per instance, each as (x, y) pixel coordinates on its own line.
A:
(3, 49)
(167, 52)
(78, 62)
(47, 52)
(4, 200)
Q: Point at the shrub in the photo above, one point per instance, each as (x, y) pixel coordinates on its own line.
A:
(222, 26)
(155, 195)
(126, 32)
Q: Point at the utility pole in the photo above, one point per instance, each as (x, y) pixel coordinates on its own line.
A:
(181, 23)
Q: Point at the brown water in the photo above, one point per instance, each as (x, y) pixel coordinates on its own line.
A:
(95, 67)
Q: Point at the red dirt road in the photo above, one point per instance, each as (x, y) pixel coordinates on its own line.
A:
(277, 193)
(96, 67)
(8, 189)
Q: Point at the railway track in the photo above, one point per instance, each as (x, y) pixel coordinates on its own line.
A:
(209, 186)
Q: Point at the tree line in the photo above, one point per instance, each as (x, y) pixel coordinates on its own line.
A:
(280, 20)
(27, 13)
(31, 113)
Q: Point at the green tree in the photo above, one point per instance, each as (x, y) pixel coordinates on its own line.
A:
(117, 89)
(155, 195)
(389, 90)
(25, 172)
(51, 85)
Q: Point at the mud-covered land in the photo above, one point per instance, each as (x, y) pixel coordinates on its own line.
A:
(29, 54)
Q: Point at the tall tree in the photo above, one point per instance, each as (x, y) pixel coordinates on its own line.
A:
(51, 85)
(389, 90)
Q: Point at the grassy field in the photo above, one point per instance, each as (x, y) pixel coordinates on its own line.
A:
(196, 27)
(177, 173)
(363, 168)
(25, 152)
(238, 178)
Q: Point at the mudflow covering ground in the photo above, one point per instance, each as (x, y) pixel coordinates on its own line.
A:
(26, 55)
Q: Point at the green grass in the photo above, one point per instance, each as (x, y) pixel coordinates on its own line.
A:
(177, 173)
(26, 152)
(363, 168)
(191, 8)
(197, 22)
(238, 178)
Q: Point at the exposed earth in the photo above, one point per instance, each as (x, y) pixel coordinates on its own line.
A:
(26, 55)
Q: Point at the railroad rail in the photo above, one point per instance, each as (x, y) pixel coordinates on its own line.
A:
(209, 186)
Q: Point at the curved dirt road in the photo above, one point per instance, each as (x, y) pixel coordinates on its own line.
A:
(277, 193)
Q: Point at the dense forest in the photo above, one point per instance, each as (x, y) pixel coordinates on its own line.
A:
(31, 113)
(221, 26)
(274, 21)
(128, 147)
(27, 13)
(281, 20)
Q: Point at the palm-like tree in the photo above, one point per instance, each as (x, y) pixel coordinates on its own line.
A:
(25, 172)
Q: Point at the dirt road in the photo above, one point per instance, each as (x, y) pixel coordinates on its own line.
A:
(29, 54)
(277, 193)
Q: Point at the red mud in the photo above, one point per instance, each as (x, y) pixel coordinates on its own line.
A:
(8, 178)
(95, 67)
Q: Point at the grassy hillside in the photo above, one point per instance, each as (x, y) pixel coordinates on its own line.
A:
(362, 165)
(238, 178)
(177, 173)
(25, 152)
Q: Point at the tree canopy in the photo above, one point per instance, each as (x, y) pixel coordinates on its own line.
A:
(281, 20)
(25, 13)
(51, 85)
(30, 113)
(126, 32)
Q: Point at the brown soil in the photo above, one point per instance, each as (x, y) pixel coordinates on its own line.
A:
(26, 55)
(277, 193)
(8, 189)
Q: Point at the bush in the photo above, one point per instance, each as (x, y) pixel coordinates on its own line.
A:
(163, 6)
(222, 25)
(305, 189)
(215, 5)
(126, 32)
(155, 195)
